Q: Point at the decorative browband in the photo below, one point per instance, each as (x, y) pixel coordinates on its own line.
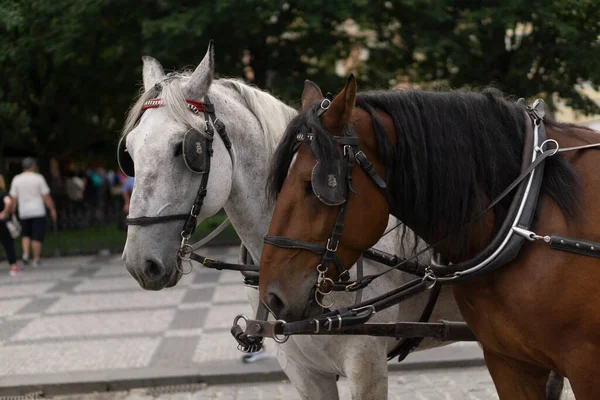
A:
(195, 106)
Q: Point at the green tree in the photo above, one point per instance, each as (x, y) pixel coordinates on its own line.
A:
(282, 42)
(64, 68)
(526, 48)
(71, 69)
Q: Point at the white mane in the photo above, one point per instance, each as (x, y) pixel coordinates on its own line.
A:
(272, 114)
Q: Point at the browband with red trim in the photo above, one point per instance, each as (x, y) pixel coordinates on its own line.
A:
(195, 106)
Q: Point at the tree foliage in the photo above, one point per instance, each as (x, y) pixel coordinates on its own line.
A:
(70, 69)
(525, 48)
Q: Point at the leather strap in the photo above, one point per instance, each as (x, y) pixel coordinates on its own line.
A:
(356, 314)
(289, 243)
(219, 265)
(454, 271)
(577, 246)
(391, 260)
(145, 221)
(443, 330)
(359, 275)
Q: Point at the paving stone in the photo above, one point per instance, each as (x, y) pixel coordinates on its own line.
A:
(175, 351)
(107, 284)
(64, 287)
(9, 307)
(230, 294)
(68, 356)
(99, 324)
(37, 305)
(199, 295)
(189, 319)
(9, 328)
(212, 278)
(16, 289)
(116, 301)
(85, 272)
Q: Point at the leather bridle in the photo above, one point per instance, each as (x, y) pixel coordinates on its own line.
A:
(351, 153)
(186, 250)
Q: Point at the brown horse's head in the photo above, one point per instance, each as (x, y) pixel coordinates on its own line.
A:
(306, 210)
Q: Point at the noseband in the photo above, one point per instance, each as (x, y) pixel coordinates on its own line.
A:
(197, 144)
(326, 186)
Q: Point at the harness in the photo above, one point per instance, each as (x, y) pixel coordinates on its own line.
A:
(331, 185)
(197, 153)
(502, 249)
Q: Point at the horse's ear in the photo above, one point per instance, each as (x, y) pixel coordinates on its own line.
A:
(310, 94)
(340, 111)
(202, 77)
(152, 72)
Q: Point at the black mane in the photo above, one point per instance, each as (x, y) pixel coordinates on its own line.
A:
(324, 148)
(455, 152)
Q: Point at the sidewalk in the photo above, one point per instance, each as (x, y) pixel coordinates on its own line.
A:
(83, 324)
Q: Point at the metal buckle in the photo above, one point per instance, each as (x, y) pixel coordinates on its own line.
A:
(347, 288)
(336, 246)
(357, 158)
(325, 104)
(370, 307)
(206, 259)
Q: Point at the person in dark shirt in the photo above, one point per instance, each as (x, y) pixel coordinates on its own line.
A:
(5, 238)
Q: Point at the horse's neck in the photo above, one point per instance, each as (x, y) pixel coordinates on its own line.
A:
(247, 207)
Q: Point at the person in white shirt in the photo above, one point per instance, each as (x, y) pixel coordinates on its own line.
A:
(31, 193)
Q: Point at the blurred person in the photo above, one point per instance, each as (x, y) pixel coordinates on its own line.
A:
(126, 191)
(93, 193)
(5, 237)
(31, 192)
(75, 187)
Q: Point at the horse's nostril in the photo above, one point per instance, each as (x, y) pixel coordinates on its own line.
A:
(153, 270)
(275, 304)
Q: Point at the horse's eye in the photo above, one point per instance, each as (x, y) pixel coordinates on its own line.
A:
(178, 149)
(308, 189)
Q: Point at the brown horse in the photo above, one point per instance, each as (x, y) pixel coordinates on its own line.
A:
(445, 156)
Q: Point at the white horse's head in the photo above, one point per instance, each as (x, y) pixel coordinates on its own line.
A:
(165, 184)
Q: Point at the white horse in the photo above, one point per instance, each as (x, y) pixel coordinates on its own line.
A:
(165, 186)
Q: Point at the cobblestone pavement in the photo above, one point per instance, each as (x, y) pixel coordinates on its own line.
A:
(453, 384)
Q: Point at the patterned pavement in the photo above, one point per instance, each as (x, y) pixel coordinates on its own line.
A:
(84, 319)
(89, 314)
